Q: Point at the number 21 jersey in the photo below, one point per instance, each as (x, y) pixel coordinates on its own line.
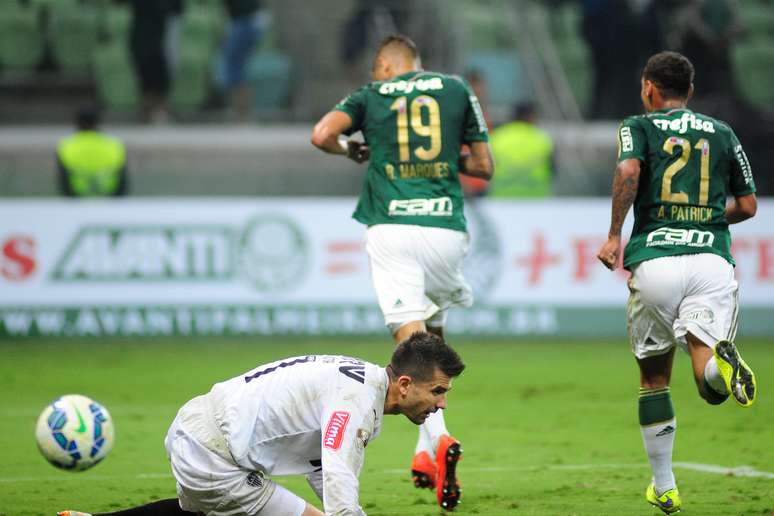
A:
(690, 163)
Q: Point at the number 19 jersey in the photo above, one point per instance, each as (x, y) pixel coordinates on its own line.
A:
(414, 125)
(690, 164)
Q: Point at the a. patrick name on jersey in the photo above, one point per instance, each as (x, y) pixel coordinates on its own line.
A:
(684, 213)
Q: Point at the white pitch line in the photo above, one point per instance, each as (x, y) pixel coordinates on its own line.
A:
(76, 476)
(739, 471)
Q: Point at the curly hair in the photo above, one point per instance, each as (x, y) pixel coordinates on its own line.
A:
(671, 72)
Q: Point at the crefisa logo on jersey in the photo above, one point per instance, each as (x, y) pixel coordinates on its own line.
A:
(270, 252)
(334, 432)
(685, 122)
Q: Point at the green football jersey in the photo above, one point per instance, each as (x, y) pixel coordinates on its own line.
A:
(414, 125)
(690, 164)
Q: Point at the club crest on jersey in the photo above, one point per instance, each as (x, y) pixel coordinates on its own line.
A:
(334, 432)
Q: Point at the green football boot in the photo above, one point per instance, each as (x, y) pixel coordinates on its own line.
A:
(737, 375)
(669, 502)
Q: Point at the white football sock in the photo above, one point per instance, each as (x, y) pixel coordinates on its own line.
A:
(424, 443)
(435, 426)
(659, 440)
(713, 377)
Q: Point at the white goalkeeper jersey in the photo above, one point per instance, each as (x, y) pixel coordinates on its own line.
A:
(295, 416)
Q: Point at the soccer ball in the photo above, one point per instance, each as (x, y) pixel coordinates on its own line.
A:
(74, 432)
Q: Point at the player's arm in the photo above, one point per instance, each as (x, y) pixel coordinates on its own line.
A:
(478, 162)
(342, 459)
(741, 208)
(327, 136)
(625, 184)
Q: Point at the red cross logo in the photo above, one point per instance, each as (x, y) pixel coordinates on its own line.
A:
(539, 259)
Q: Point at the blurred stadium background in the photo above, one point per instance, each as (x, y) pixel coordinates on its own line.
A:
(244, 229)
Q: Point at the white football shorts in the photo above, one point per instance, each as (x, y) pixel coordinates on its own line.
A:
(673, 295)
(417, 272)
(209, 484)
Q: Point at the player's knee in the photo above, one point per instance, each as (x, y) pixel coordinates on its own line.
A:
(712, 397)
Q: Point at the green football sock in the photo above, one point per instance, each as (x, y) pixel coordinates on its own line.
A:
(658, 425)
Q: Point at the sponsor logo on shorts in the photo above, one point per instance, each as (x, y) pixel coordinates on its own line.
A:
(254, 479)
(704, 315)
(438, 207)
(334, 432)
(686, 237)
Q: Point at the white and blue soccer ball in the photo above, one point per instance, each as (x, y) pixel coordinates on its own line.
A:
(74, 432)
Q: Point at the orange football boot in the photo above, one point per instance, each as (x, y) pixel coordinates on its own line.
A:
(423, 470)
(447, 487)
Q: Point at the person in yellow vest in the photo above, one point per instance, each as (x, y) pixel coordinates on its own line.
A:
(524, 156)
(89, 162)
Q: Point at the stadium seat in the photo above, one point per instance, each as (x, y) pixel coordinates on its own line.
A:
(269, 77)
(504, 76)
(114, 75)
(74, 35)
(754, 70)
(758, 22)
(199, 28)
(191, 80)
(116, 21)
(574, 57)
(484, 28)
(21, 42)
(564, 24)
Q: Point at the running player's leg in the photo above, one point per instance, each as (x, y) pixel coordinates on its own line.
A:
(657, 418)
(441, 254)
(405, 330)
(655, 294)
(399, 281)
(708, 319)
(708, 380)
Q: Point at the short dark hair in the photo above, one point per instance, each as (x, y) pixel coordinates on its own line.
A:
(421, 354)
(399, 40)
(87, 116)
(524, 110)
(671, 72)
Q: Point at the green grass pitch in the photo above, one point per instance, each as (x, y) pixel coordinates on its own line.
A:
(548, 427)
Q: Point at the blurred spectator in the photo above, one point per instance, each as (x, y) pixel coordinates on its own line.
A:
(370, 21)
(422, 20)
(523, 156)
(243, 35)
(704, 31)
(89, 162)
(607, 26)
(148, 44)
(473, 187)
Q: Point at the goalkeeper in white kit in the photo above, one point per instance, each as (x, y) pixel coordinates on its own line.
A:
(309, 415)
